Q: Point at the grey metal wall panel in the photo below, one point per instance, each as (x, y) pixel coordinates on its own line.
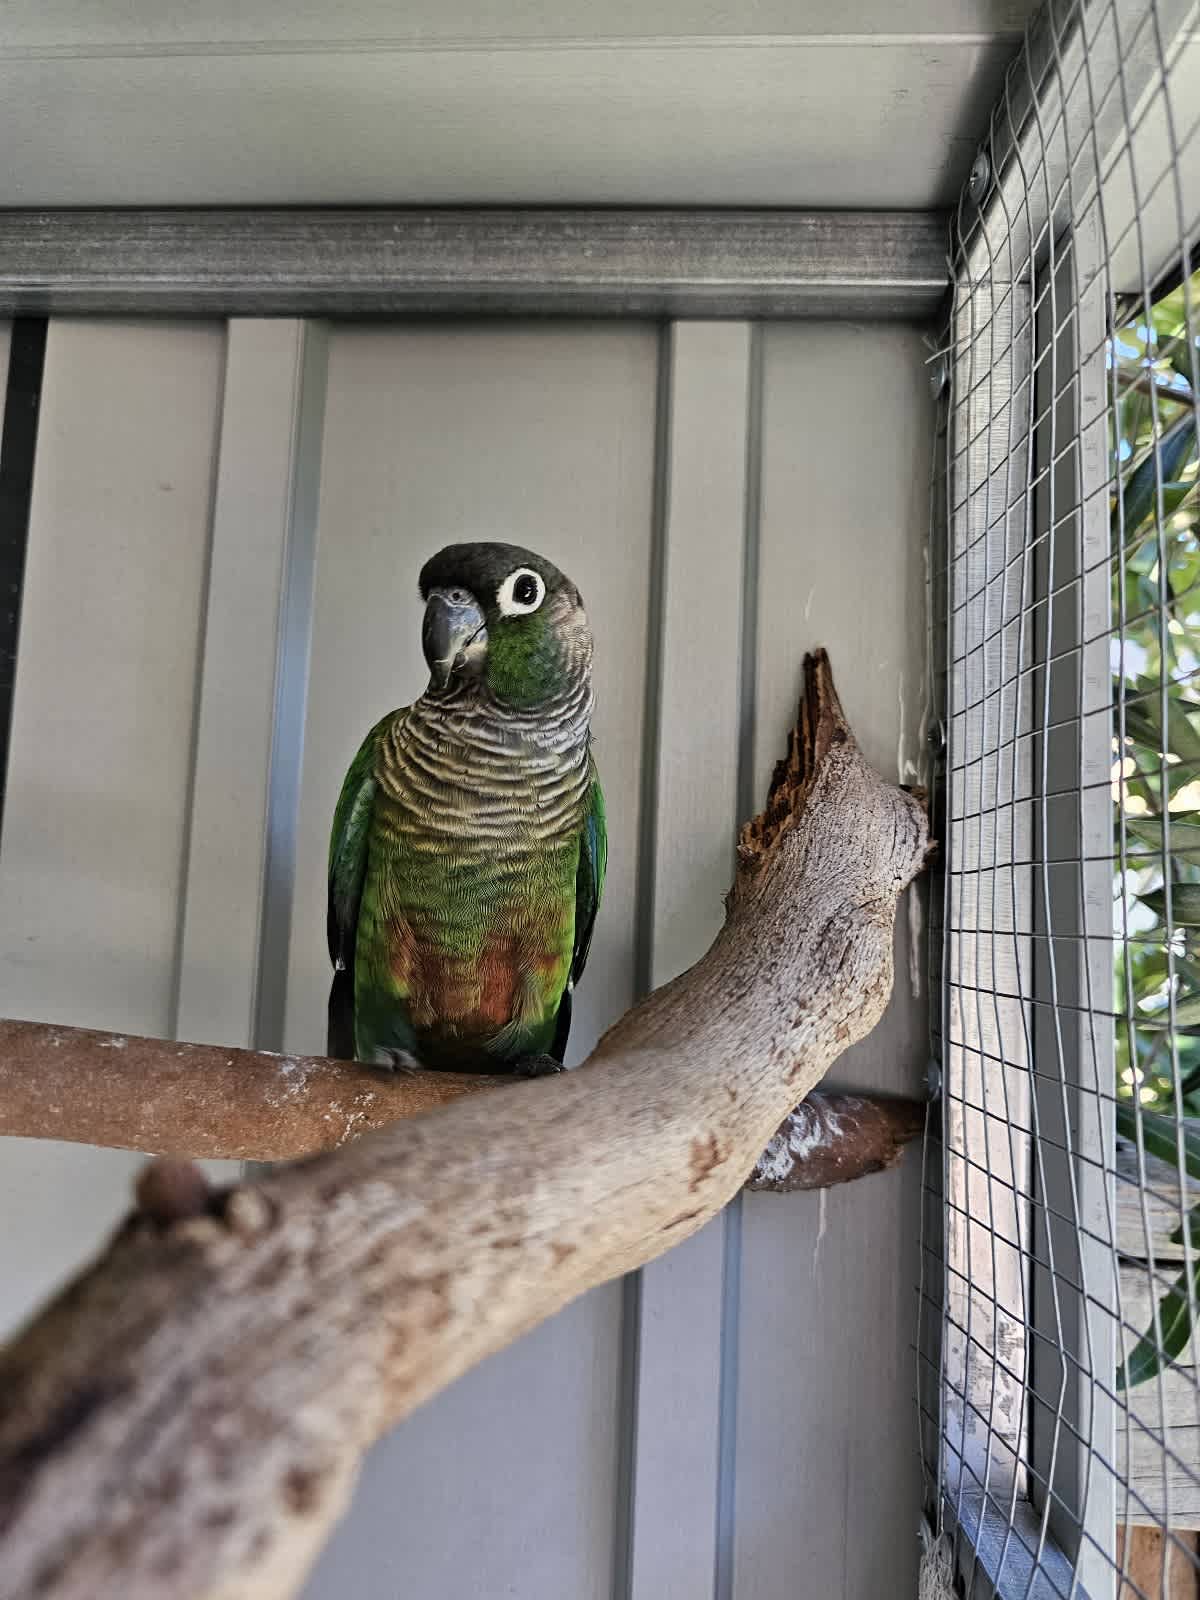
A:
(100, 766)
(699, 714)
(700, 638)
(827, 1491)
(5, 337)
(90, 876)
(227, 837)
(544, 435)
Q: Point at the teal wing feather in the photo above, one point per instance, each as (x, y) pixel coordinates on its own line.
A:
(348, 845)
(589, 879)
(589, 889)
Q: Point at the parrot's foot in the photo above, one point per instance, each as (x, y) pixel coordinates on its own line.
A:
(397, 1060)
(537, 1067)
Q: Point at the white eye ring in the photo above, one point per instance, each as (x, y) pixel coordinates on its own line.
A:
(506, 600)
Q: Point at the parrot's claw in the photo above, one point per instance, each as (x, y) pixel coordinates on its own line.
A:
(538, 1067)
(397, 1060)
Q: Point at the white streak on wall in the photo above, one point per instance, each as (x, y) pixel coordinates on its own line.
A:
(916, 923)
(822, 1199)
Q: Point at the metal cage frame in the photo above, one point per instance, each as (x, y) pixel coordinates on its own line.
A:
(1021, 1414)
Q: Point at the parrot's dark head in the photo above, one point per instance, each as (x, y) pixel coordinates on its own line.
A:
(508, 618)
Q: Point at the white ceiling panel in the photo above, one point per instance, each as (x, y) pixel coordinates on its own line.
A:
(133, 25)
(818, 121)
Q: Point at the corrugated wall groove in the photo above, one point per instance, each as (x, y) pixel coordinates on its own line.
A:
(294, 642)
(748, 802)
(22, 355)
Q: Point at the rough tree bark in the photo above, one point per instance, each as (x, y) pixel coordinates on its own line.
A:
(187, 1418)
(207, 1102)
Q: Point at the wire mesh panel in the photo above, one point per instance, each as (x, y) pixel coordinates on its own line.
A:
(1060, 1402)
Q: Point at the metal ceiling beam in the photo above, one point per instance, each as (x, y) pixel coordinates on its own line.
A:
(588, 263)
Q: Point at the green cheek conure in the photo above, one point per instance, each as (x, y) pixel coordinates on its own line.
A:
(468, 849)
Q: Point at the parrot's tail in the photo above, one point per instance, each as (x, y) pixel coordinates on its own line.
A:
(339, 1040)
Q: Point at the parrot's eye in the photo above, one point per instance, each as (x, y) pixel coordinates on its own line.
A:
(521, 592)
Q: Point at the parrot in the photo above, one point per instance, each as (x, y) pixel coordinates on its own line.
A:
(469, 843)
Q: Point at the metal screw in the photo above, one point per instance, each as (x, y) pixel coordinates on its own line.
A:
(980, 179)
(939, 375)
(935, 739)
(933, 1079)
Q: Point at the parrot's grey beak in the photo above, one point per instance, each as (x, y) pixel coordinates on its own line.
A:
(453, 635)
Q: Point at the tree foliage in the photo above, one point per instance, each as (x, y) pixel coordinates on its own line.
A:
(1155, 534)
(1156, 699)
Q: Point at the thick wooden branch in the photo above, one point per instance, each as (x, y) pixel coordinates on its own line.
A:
(187, 1419)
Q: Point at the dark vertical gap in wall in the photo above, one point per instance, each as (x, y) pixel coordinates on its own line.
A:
(747, 797)
(731, 1274)
(631, 1284)
(291, 690)
(18, 447)
(185, 850)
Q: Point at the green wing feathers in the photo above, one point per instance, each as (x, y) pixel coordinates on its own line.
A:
(589, 888)
(589, 880)
(348, 847)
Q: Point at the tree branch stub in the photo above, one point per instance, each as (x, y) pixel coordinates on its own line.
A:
(834, 1138)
